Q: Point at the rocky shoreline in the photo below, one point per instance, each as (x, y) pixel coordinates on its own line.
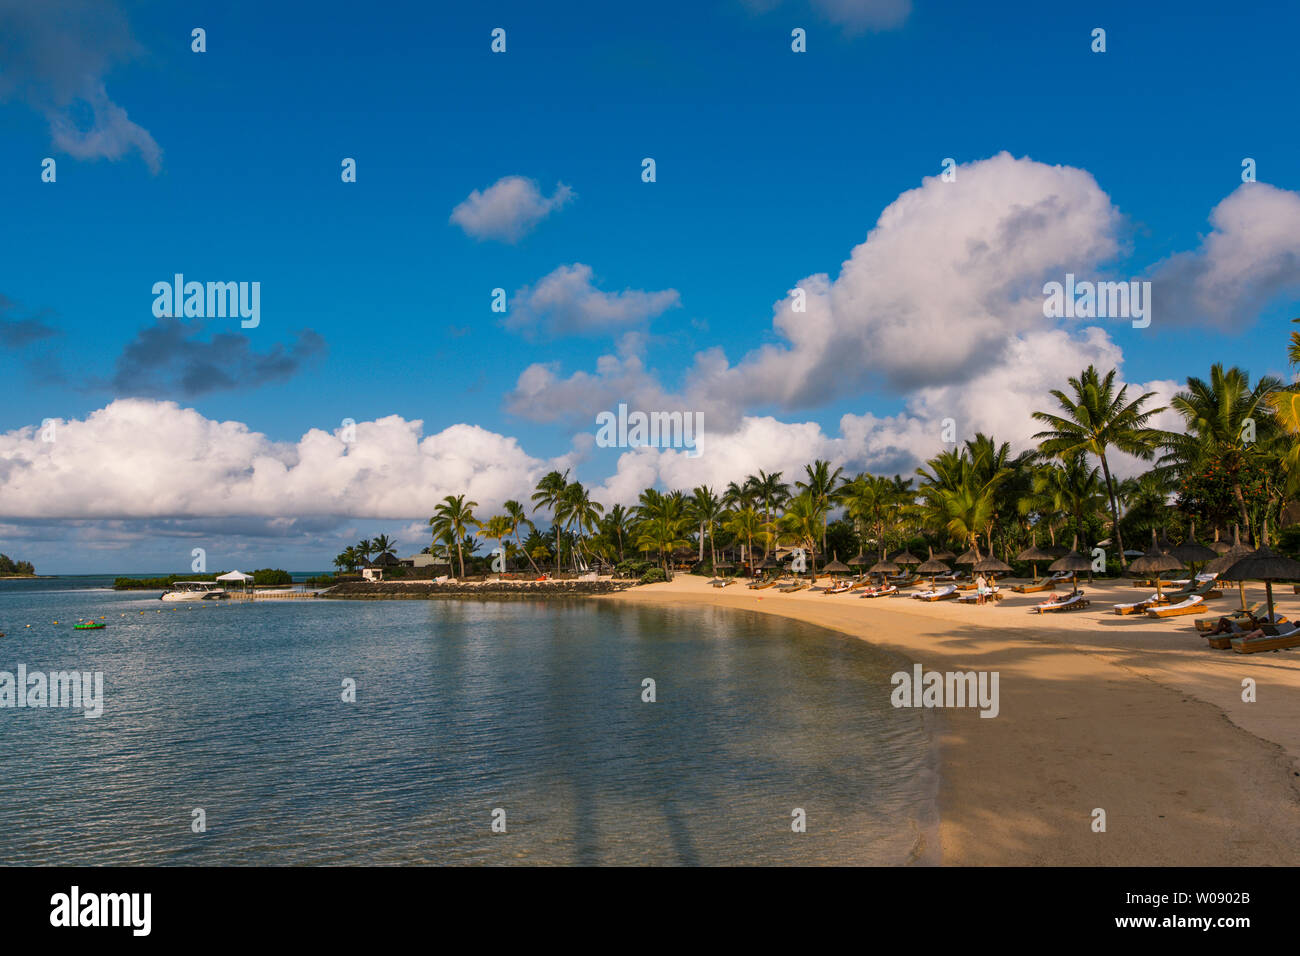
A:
(422, 590)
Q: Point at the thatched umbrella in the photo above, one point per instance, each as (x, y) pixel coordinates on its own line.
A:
(1192, 551)
(932, 567)
(905, 557)
(1074, 562)
(859, 560)
(969, 557)
(1058, 550)
(944, 555)
(1264, 565)
(991, 566)
(837, 566)
(1034, 554)
(1217, 546)
(1155, 561)
(1235, 553)
(883, 567)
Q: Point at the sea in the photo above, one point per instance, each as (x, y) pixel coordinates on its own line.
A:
(454, 732)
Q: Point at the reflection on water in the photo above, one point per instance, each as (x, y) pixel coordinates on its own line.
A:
(462, 707)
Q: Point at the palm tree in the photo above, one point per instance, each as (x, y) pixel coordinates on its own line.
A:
(576, 508)
(1066, 486)
(382, 546)
(548, 493)
(1285, 403)
(770, 490)
(518, 518)
(496, 528)
(706, 511)
(822, 484)
(618, 523)
(748, 524)
(804, 519)
(451, 519)
(870, 501)
(1095, 419)
(662, 523)
(365, 548)
(1217, 419)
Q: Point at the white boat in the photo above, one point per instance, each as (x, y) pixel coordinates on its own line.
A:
(195, 591)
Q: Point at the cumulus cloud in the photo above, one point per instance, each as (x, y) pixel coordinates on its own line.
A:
(54, 56)
(567, 302)
(508, 209)
(854, 16)
(171, 358)
(1251, 256)
(142, 459)
(951, 274)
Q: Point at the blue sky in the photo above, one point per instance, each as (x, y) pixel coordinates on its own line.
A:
(772, 166)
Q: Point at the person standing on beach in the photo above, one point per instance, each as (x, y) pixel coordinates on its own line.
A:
(981, 589)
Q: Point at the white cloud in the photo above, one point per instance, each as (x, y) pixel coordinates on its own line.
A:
(1251, 257)
(567, 302)
(136, 458)
(508, 209)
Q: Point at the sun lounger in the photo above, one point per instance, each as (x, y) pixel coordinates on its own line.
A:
(760, 585)
(1256, 641)
(1060, 576)
(1137, 607)
(722, 582)
(1191, 605)
(1252, 613)
(842, 588)
(864, 583)
(995, 595)
(791, 588)
(887, 590)
(1072, 603)
(939, 594)
(1042, 584)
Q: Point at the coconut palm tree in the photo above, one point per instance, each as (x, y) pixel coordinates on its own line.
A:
(496, 528)
(770, 490)
(822, 484)
(548, 494)
(1226, 420)
(575, 508)
(365, 548)
(382, 546)
(1066, 486)
(618, 524)
(706, 512)
(452, 519)
(747, 524)
(803, 522)
(1096, 419)
(661, 525)
(518, 518)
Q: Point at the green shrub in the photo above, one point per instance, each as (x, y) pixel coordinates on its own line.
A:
(653, 576)
(272, 576)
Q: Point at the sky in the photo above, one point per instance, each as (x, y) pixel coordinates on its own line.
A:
(842, 248)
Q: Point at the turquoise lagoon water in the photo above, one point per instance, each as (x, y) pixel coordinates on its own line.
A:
(463, 707)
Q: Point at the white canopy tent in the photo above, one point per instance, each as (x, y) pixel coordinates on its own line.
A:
(240, 576)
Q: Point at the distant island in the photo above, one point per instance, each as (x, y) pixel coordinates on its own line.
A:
(9, 568)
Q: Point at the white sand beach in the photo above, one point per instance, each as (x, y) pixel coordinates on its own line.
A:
(1133, 715)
